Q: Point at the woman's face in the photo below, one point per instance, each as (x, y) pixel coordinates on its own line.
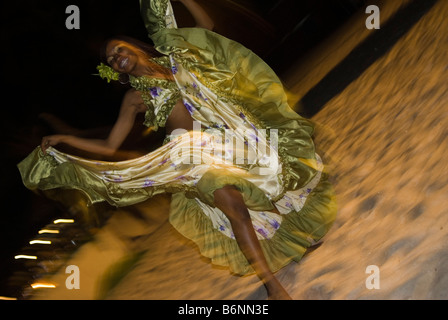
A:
(122, 56)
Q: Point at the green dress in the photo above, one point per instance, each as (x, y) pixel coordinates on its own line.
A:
(245, 135)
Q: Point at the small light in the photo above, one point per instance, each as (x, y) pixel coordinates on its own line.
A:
(40, 242)
(23, 256)
(7, 298)
(38, 285)
(63, 221)
(48, 231)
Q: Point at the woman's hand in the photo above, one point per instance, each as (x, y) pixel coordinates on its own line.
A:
(50, 141)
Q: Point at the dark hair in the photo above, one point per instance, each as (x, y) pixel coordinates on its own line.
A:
(146, 47)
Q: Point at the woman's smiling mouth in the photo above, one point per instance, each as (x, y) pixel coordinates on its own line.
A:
(123, 63)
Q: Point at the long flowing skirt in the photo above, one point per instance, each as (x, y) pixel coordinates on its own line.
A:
(192, 166)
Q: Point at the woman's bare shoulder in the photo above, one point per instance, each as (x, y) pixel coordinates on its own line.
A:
(133, 99)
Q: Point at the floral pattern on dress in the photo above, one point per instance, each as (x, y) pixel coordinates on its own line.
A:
(148, 183)
(191, 109)
(155, 92)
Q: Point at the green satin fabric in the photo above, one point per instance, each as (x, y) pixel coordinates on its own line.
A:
(235, 72)
(299, 229)
(120, 184)
(231, 70)
(159, 96)
(156, 15)
(223, 80)
(225, 86)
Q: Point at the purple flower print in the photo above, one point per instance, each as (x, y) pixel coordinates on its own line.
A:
(201, 96)
(148, 183)
(163, 162)
(253, 126)
(174, 69)
(275, 224)
(253, 136)
(263, 232)
(155, 91)
(189, 107)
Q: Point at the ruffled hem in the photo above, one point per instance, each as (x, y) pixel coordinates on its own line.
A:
(298, 230)
(41, 171)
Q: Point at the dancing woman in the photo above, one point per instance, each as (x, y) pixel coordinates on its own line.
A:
(247, 186)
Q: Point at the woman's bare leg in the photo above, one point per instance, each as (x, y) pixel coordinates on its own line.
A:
(230, 201)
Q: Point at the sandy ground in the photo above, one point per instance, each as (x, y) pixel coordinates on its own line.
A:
(385, 141)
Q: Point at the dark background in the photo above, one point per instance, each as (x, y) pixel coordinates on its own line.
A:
(46, 68)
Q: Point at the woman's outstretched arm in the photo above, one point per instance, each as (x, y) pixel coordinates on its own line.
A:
(132, 104)
(201, 17)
